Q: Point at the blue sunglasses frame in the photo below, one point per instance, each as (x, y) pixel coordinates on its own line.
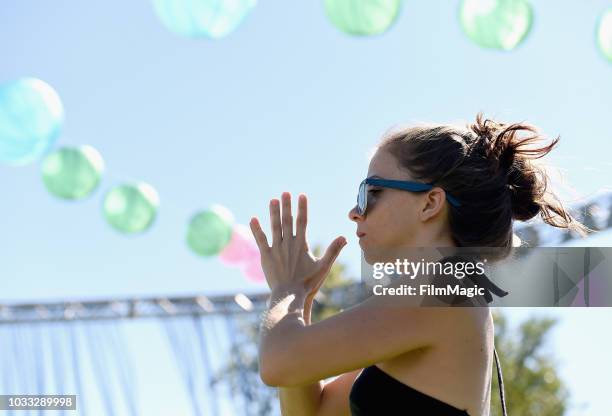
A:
(362, 197)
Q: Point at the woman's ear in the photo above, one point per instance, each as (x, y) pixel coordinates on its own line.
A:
(433, 203)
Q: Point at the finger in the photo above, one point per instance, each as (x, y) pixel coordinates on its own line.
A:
(260, 236)
(287, 216)
(302, 218)
(275, 222)
(332, 252)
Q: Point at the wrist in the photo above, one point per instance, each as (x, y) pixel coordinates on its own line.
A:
(289, 289)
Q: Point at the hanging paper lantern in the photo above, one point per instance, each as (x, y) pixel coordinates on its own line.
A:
(604, 34)
(240, 247)
(72, 172)
(31, 116)
(203, 18)
(209, 231)
(496, 24)
(131, 208)
(363, 17)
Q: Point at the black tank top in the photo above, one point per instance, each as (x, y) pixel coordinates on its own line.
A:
(375, 392)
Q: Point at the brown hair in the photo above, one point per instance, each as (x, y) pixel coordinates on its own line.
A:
(488, 166)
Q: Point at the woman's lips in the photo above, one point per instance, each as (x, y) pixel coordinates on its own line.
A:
(360, 234)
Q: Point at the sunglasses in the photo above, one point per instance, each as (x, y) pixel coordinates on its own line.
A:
(362, 196)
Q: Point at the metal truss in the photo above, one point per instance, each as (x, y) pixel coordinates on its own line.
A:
(145, 307)
(158, 307)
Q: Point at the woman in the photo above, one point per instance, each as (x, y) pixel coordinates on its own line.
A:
(409, 360)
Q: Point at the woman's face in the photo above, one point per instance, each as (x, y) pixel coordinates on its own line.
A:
(396, 219)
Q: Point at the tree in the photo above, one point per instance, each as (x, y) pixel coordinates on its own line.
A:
(532, 385)
(325, 304)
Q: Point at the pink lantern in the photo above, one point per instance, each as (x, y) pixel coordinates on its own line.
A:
(253, 271)
(242, 251)
(240, 247)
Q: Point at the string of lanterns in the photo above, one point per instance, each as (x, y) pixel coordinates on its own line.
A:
(492, 24)
(31, 118)
(32, 114)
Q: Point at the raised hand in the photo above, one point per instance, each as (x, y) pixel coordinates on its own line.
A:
(289, 261)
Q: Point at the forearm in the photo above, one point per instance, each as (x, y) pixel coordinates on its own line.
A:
(286, 311)
(300, 401)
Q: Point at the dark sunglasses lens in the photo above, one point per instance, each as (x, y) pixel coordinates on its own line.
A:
(361, 199)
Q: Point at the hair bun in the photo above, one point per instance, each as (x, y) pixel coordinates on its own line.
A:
(525, 190)
(510, 149)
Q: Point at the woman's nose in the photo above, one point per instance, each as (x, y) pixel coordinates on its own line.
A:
(354, 216)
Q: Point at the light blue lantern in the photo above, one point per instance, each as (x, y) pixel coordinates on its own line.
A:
(31, 117)
(203, 18)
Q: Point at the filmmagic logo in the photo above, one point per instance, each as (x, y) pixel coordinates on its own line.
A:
(429, 290)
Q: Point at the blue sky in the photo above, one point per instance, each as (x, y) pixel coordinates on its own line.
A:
(286, 103)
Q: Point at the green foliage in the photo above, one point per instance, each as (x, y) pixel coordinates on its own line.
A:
(531, 382)
(324, 304)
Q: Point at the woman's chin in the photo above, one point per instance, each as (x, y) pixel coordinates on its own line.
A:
(371, 256)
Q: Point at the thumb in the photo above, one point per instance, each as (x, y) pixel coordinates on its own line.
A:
(332, 252)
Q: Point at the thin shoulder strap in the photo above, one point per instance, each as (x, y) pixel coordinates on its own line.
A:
(500, 380)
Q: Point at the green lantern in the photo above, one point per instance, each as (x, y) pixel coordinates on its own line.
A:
(604, 34)
(496, 24)
(131, 208)
(72, 172)
(362, 17)
(209, 231)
